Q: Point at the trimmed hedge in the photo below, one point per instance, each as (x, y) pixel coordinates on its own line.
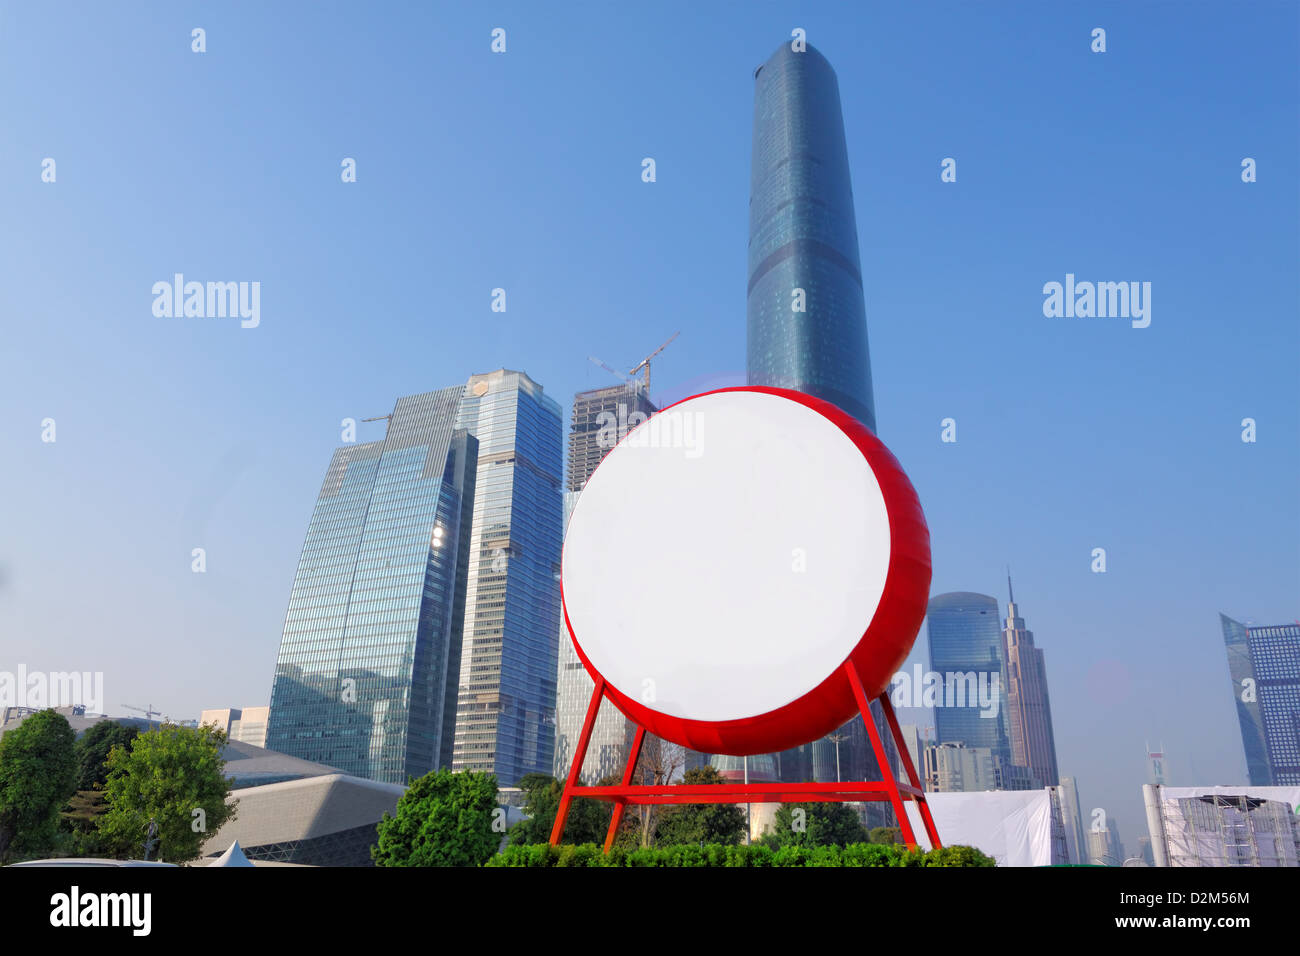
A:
(713, 854)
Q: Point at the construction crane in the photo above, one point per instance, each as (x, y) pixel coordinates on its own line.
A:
(645, 362)
(148, 711)
(630, 376)
(631, 382)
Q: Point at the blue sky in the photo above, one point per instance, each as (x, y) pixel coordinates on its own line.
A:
(522, 171)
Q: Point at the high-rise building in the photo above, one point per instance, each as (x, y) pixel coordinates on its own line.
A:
(366, 675)
(1265, 666)
(1104, 846)
(915, 740)
(505, 715)
(806, 314)
(1072, 817)
(806, 319)
(956, 768)
(1156, 766)
(965, 638)
(247, 725)
(1029, 711)
(601, 418)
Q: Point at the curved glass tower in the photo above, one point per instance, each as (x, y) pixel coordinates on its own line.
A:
(803, 240)
(965, 637)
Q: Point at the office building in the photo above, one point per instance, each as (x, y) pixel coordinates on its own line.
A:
(1264, 663)
(505, 714)
(952, 767)
(806, 322)
(806, 315)
(1029, 711)
(245, 725)
(367, 670)
(601, 418)
(965, 638)
(1072, 818)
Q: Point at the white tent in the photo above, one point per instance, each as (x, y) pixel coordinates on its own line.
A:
(234, 856)
(1012, 826)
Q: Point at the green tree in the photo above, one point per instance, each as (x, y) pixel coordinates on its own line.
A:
(93, 748)
(587, 822)
(885, 835)
(172, 777)
(815, 824)
(692, 823)
(443, 819)
(80, 823)
(38, 773)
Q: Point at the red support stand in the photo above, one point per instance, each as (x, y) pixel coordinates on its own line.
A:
(852, 791)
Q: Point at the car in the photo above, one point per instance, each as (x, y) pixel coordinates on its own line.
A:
(90, 861)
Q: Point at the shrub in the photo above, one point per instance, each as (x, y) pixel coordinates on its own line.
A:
(714, 854)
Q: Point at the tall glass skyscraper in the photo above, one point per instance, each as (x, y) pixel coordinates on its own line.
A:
(806, 315)
(370, 655)
(1265, 666)
(965, 637)
(505, 716)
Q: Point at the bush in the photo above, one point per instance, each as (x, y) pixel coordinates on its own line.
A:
(445, 819)
(714, 854)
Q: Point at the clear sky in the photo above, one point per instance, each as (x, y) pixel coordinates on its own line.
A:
(522, 171)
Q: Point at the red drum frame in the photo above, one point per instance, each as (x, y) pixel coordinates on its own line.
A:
(881, 649)
(852, 791)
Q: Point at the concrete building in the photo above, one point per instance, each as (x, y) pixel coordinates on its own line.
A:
(244, 724)
(953, 767)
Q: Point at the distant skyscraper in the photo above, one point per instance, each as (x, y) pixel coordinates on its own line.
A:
(1072, 817)
(806, 314)
(505, 715)
(807, 319)
(915, 741)
(965, 637)
(1156, 766)
(1029, 711)
(366, 675)
(1265, 666)
(601, 418)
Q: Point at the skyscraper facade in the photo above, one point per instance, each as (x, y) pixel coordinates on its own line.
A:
(1029, 711)
(806, 320)
(369, 659)
(505, 714)
(1072, 818)
(1265, 666)
(806, 313)
(965, 636)
(601, 418)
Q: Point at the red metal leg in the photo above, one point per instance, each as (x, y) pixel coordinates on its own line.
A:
(886, 771)
(579, 755)
(905, 755)
(621, 805)
(889, 788)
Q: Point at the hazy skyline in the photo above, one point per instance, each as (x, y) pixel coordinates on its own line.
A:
(523, 171)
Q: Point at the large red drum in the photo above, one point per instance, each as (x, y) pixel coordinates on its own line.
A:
(727, 558)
